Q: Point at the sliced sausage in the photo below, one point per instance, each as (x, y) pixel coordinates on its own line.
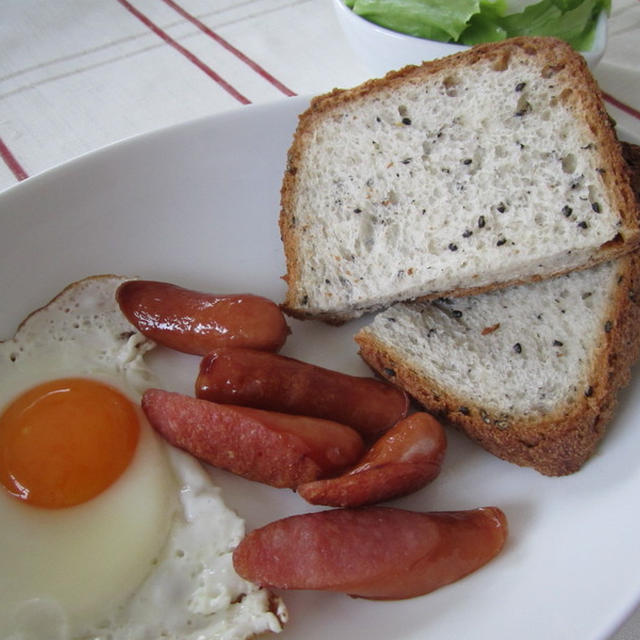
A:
(401, 461)
(269, 447)
(373, 552)
(279, 383)
(196, 322)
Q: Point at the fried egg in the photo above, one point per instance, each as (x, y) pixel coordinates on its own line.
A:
(108, 533)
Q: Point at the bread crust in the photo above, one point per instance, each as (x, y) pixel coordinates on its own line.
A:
(631, 155)
(584, 99)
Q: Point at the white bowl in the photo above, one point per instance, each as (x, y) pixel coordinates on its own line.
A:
(383, 50)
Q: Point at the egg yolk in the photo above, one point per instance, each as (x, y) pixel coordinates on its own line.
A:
(65, 441)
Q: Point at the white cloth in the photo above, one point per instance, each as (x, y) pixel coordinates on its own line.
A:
(75, 76)
(78, 75)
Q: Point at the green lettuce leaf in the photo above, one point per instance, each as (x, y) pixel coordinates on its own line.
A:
(485, 26)
(475, 21)
(546, 18)
(441, 20)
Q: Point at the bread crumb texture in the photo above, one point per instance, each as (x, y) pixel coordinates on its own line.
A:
(489, 168)
(519, 352)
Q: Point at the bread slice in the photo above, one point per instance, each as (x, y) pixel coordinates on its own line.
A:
(530, 372)
(494, 166)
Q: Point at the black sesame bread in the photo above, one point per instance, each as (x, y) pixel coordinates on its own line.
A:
(495, 166)
(530, 372)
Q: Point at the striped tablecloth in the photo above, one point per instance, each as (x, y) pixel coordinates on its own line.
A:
(76, 75)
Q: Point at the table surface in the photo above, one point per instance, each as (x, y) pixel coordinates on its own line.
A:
(76, 76)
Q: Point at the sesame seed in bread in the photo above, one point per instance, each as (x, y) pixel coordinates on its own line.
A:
(494, 166)
(530, 372)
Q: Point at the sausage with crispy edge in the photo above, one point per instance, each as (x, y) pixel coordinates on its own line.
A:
(401, 461)
(374, 552)
(279, 383)
(195, 322)
(269, 447)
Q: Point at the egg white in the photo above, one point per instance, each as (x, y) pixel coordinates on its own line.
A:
(194, 584)
(151, 555)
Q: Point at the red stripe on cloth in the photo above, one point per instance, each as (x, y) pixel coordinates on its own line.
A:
(229, 47)
(10, 160)
(185, 52)
(622, 106)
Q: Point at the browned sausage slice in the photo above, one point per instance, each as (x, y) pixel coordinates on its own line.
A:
(373, 552)
(403, 460)
(269, 447)
(195, 322)
(279, 383)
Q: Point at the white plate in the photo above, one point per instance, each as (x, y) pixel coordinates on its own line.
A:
(198, 205)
